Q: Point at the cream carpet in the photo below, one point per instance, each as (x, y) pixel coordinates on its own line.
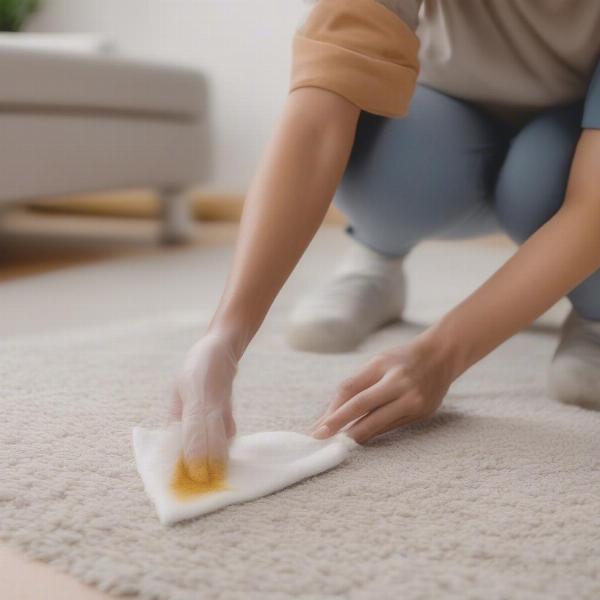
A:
(498, 496)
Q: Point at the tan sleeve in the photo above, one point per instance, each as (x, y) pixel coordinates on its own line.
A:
(360, 50)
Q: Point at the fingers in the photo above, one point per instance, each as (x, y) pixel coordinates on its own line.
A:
(195, 443)
(379, 394)
(230, 426)
(218, 446)
(348, 389)
(176, 407)
(206, 444)
(203, 403)
(380, 421)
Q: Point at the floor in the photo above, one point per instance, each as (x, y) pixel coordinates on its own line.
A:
(33, 245)
(73, 250)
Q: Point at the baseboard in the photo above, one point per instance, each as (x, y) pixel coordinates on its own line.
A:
(142, 204)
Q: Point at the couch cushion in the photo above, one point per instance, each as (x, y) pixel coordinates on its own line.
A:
(54, 80)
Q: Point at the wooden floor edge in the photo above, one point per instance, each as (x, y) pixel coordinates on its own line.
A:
(144, 205)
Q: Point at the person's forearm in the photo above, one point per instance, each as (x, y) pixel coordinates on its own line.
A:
(285, 205)
(549, 265)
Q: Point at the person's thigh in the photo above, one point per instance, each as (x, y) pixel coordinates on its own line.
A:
(430, 174)
(532, 182)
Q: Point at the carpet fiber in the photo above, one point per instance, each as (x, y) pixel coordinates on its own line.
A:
(497, 496)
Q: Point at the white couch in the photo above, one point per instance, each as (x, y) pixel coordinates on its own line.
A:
(76, 123)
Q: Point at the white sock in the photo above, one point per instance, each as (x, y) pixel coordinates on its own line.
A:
(259, 464)
(367, 291)
(574, 376)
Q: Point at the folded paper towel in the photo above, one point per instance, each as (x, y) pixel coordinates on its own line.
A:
(259, 464)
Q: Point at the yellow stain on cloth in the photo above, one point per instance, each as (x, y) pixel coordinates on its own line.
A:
(197, 479)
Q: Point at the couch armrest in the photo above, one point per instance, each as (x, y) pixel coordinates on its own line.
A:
(41, 80)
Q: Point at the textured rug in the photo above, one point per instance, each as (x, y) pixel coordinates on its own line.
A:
(498, 496)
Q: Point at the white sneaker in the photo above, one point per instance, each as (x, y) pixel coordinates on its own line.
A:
(574, 376)
(367, 291)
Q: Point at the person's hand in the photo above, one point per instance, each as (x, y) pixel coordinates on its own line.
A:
(202, 401)
(395, 388)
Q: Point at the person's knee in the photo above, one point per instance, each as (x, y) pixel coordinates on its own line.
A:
(354, 189)
(523, 205)
(420, 166)
(376, 192)
(412, 178)
(532, 182)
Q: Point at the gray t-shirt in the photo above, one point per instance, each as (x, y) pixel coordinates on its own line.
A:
(512, 57)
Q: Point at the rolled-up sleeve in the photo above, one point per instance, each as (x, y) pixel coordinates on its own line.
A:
(361, 50)
(591, 111)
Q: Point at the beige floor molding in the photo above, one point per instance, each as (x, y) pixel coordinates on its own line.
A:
(143, 204)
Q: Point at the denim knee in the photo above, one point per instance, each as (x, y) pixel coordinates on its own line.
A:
(532, 182)
(414, 178)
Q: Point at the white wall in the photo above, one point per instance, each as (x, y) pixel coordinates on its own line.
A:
(243, 46)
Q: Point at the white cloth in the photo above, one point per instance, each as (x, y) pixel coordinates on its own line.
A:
(259, 464)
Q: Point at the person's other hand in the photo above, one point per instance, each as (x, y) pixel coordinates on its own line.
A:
(395, 388)
(203, 402)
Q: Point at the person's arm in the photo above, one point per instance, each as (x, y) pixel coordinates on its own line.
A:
(553, 261)
(285, 205)
(409, 383)
(348, 56)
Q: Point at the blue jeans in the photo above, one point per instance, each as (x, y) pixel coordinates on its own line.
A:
(449, 170)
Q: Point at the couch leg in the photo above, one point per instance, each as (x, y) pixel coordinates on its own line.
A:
(176, 221)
